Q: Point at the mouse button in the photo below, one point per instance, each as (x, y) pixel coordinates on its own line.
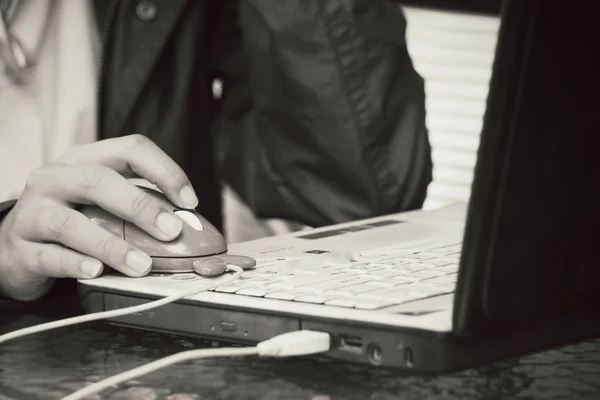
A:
(104, 219)
(207, 225)
(190, 218)
(154, 247)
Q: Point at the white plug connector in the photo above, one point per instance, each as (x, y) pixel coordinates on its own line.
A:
(296, 343)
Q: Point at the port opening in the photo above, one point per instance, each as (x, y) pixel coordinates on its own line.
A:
(408, 357)
(375, 354)
(352, 343)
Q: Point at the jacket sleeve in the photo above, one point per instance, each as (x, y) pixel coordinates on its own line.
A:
(322, 115)
(5, 207)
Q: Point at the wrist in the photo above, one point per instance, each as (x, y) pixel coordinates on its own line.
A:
(16, 288)
(14, 281)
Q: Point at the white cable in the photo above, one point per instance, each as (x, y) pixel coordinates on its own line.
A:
(122, 311)
(288, 344)
(156, 365)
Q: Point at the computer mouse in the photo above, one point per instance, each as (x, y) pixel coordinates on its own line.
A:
(193, 250)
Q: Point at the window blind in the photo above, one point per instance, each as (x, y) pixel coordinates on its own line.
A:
(454, 53)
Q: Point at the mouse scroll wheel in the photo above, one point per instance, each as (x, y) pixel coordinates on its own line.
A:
(190, 219)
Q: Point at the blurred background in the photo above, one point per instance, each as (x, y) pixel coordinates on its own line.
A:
(452, 45)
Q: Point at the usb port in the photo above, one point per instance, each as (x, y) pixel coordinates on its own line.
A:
(351, 343)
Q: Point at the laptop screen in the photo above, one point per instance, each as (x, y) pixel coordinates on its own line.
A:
(529, 241)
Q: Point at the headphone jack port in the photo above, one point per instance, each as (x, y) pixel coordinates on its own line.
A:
(375, 354)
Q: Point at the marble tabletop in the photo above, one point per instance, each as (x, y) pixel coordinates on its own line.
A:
(54, 364)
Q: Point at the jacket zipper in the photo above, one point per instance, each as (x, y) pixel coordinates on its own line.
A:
(103, 34)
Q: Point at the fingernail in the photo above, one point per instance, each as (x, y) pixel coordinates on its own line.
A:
(91, 269)
(169, 224)
(138, 261)
(188, 197)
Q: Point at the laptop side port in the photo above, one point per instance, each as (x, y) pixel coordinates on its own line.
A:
(375, 354)
(408, 357)
(351, 343)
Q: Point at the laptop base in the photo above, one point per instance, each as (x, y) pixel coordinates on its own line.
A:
(414, 350)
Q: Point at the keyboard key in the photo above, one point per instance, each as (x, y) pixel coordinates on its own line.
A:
(412, 266)
(354, 289)
(447, 287)
(450, 278)
(373, 305)
(453, 268)
(381, 293)
(342, 302)
(393, 281)
(413, 293)
(318, 298)
(419, 256)
(318, 268)
(438, 262)
(385, 273)
(233, 288)
(307, 280)
(398, 261)
(253, 291)
(283, 295)
(425, 273)
(402, 294)
(369, 267)
(335, 284)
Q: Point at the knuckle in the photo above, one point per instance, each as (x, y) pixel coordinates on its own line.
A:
(107, 247)
(69, 157)
(141, 204)
(176, 176)
(13, 243)
(16, 218)
(92, 177)
(37, 261)
(58, 223)
(136, 140)
(36, 178)
(64, 265)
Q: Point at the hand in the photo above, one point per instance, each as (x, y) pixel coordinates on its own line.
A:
(44, 237)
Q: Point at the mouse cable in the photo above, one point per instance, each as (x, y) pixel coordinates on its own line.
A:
(297, 343)
(237, 271)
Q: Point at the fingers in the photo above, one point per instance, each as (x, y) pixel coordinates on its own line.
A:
(106, 188)
(70, 228)
(56, 261)
(138, 154)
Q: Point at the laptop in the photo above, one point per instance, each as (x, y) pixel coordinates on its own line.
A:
(513, 271)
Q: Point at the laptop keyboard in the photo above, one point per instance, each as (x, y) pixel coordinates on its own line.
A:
(371, 281)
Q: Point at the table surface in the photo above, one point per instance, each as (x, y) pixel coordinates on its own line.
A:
(53, 364)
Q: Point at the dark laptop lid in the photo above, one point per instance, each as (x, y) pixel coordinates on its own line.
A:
(531, 242)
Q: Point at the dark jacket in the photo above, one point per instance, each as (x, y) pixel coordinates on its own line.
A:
(321, 117)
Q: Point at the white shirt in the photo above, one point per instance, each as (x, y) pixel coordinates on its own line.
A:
(57, 108)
